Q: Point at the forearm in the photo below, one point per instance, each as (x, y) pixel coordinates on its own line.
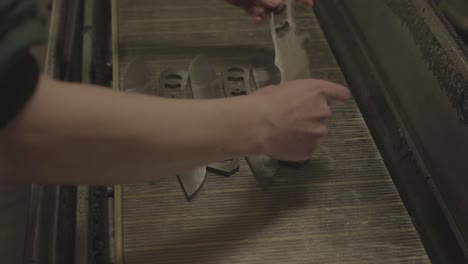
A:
(72, 133)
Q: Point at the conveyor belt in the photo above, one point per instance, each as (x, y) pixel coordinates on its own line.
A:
(341, 208)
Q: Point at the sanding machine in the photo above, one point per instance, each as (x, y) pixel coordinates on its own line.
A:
(388, 185)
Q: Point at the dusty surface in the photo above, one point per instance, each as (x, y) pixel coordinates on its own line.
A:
(341, 208)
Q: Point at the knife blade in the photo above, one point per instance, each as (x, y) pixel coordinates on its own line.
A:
(290, 56)
(173, 84)
(192, 181)
(236, 82)
(264, 70)
(224, 168)
(264, 73)
(204, 85)
(203, 79)
(264, 169)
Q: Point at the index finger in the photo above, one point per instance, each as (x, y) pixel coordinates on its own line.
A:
(335, 93)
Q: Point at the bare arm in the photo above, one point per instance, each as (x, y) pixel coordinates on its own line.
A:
(74, 133)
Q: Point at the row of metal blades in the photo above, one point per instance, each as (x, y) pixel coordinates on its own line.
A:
(202, 82)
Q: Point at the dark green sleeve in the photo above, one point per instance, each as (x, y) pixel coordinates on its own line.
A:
(21, 27)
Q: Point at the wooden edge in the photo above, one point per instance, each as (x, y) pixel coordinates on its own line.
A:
(118, 232)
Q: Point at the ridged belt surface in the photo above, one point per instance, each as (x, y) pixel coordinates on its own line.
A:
(341, 208)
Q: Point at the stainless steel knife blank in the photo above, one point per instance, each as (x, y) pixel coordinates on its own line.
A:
(237, 83)
(265, 73)
(225, 168)
(192, 181)
(203, 79)
(264, 70)
(290, 56)
(264, 168)
(206, 84)
(173, 84)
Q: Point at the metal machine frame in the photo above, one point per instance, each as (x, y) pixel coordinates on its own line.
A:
(378, 85)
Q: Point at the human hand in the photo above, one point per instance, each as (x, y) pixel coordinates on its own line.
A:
(258, 8)
(297, 114)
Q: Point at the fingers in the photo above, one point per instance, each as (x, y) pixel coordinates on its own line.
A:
(258, 8)
(277, 3)
(334, 93)
(258, 13)
(308, 3)
(325, 111)
(270, 4)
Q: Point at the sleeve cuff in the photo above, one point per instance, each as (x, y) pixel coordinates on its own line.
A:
(17, 85)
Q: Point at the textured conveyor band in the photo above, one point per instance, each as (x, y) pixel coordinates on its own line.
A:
(340, 208)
